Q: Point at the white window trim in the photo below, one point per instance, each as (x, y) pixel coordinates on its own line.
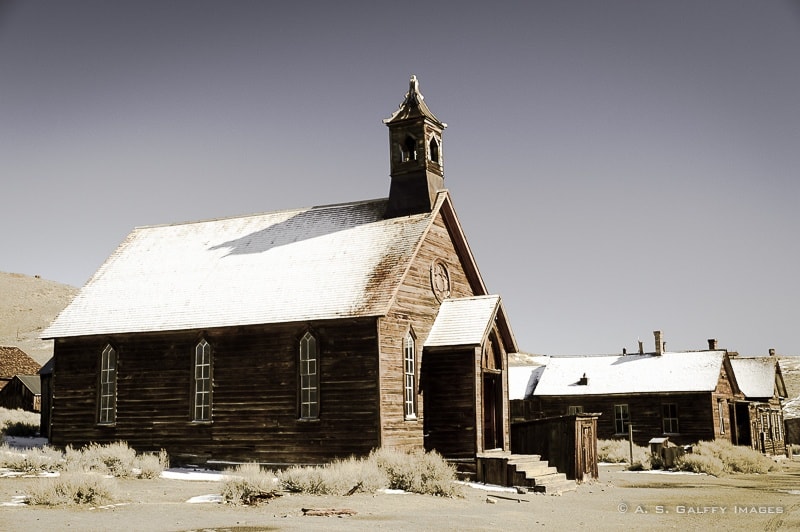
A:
(309, 377)
(107, 404)
(201, 393)
(409, 377)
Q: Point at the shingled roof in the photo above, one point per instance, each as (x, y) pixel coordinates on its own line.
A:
(758, 377)
(696, 371)
(325, 262)
(14, 361)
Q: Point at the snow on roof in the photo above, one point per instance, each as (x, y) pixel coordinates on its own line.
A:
(463, 321)
(306, 264)
(693, 371)
(522, 380)
(755, 376)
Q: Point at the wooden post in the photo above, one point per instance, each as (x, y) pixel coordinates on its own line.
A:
(630, 440)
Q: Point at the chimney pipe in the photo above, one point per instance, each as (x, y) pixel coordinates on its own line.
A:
(772, 352)
(641, 347)
(712, 344)
(659, 343)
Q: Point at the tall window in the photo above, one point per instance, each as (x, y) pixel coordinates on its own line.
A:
(669, 416)
(107, 409)
(621, 419)
(410, 377)
(309, 377)
(433, 146)
(721, 413)
(572, 410)
(202, 381)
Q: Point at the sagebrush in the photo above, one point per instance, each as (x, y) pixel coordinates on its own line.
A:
(619, 451)
(416, 471)
(17, 422)
(73, 488)
(720, 457)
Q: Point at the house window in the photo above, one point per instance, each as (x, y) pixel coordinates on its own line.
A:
(309, 377)
(574, 410)
(410, 376)
(202, 381)
(621, 419)
(721, 413)
(669, 416)
(107, 411)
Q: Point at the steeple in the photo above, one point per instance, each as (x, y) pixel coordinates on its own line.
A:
(415, 150)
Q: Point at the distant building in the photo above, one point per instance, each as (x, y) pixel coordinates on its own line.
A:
(685, 396)
(22, 392)
(14, 361)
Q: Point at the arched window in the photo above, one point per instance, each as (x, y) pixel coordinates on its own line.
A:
(408, 151)
(410, 376)
(433, 148)
(202, 381)
(309, 377)
(107, 404)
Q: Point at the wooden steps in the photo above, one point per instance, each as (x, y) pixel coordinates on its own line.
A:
(524, 471)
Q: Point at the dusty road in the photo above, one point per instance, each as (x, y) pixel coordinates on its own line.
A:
(619, 500)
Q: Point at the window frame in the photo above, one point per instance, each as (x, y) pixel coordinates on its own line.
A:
(202, 399)
(669, 418)
(622, 418)
(107, 379)
(574, 409)
(308, 398)
(721, 415)
(410, 376)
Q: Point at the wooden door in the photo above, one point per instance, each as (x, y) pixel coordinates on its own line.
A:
(492, 411)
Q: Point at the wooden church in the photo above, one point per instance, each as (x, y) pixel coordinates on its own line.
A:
(296, 336)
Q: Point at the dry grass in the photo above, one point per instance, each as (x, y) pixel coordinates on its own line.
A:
(619, 451)
(719, 457)
(17, 422)
(73, 488)
(418, 472)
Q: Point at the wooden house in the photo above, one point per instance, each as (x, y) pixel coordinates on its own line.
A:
(686, 396)
(22, 392)
(759, 416)
(296, 336)
(14, 361)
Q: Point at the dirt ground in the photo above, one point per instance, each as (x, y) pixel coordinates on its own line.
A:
(618, 500)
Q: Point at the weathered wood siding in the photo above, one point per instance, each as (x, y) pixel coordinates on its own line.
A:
(449, 390)
(16, 395)
(696, 414)
(416, 307)
(255, 393)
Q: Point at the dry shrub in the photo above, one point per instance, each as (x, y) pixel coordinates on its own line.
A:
(31, 460)
(115, 459)
(339, 477)
(73, 488)
(417, 472)
(151, 465)
(700, 463)
(18, 422)
(734, 458)
(247, 484)
(619, 451)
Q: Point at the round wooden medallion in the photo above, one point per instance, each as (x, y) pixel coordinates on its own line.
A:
(440, 280)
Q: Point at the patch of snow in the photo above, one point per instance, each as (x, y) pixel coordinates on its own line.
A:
(487, 487)
(201, 499)
(393, 492)
(791, 492)
(665, 472)
(17, 500)
(192, 474)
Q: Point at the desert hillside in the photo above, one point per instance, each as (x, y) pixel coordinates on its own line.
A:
(28, 305)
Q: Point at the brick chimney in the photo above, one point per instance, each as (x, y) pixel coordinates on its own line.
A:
(659, 343)
(712, 344)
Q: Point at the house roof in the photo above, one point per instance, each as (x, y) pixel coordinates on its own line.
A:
(464, 321)
(14, 361)
(757, 376)
(315, 263)
(695, 371)
(522, 380)
(31, 382)
(325, 262)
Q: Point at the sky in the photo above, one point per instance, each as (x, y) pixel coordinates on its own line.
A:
(618, 167)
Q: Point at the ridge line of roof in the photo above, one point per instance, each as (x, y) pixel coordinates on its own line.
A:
(250, 215)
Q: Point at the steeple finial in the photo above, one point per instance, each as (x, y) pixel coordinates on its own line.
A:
(413, 87)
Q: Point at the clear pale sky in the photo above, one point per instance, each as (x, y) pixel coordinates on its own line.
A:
(618, 166)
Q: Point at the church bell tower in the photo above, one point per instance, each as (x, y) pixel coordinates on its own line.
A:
(416, 162)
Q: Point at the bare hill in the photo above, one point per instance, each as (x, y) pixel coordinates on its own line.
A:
(28, 305)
